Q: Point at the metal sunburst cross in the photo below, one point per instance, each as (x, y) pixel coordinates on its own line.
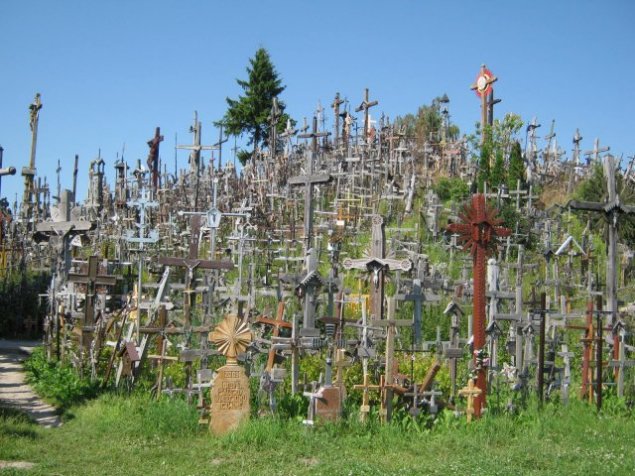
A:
(231, 337)
(478, 231)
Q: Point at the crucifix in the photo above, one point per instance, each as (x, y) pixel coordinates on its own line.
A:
(365, 106)
(29, 172)
(478, 232)
(377, 265)
(337, 102)
(219, 145)
(309, 180)
(195, 155)
(153, 158)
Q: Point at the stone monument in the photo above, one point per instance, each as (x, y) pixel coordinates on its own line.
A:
(230, 390)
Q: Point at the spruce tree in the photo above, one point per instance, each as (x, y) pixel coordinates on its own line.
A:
(248, 114)
(497, 175)
(516, 167)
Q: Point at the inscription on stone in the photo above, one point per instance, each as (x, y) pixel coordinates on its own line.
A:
(230, 399)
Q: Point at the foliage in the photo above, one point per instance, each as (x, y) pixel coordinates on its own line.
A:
(161, 437)
(249, 113)
(516, 169)
(57, 382)
(427, 123)
(453, 188)
(19, 299)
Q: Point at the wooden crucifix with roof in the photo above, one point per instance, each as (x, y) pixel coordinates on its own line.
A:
(377, 265)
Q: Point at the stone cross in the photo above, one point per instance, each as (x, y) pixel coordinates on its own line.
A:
(377, 265)
(478, 232)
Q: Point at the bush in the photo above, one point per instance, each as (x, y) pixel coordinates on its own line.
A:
(57, 382)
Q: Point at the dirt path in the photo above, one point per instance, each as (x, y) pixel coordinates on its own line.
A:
(14, 391)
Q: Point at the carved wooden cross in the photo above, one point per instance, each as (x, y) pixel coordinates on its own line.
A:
(377, 265)
(153, 158)
(276, 324)
(471, 392)
(365, 106)
(478, 232)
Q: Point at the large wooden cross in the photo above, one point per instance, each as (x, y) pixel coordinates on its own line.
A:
(365, 106)
(612, 210)
(478, 231)
(91, 279)
(153, 157)
(193, 262)
(309, 179)
(377, 264)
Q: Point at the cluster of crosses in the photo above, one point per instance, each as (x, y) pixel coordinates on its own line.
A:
(322, 245)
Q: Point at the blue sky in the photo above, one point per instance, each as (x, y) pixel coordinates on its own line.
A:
(110, 72)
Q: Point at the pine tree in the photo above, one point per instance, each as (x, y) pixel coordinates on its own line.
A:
(248, 114)
(516, 167)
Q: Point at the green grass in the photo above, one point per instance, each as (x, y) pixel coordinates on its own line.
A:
(136, 435)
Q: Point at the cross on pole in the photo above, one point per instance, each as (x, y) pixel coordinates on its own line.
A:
(337, 102)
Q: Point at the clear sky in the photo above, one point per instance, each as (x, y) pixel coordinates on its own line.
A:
(111, 71)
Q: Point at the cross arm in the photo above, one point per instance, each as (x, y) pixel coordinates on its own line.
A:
(587, 206)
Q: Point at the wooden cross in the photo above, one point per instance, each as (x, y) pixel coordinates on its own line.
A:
(484, 90)
(309, 180)
(366, 387)
(276, 324)
(337, 102)
(471, 392)
(478, 232)
(153, 157)
(612, 210)
(192, 262)
(91, 279)
(377, 265)
(365, 106)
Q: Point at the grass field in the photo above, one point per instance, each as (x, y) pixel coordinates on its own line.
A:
(133, 435)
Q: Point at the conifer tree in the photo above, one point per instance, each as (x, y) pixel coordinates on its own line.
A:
(249, 113)
(516, 167)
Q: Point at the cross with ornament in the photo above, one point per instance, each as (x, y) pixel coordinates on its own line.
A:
(478, 229)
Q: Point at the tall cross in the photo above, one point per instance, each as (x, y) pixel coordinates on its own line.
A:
(478, 232)
(377, 264)
(337, 102)
(484, 90)
(309, 180)
(29, 172)
(153, 158)
(612, 210)
(365, 106)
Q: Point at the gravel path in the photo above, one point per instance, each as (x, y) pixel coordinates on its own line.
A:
(14, 391)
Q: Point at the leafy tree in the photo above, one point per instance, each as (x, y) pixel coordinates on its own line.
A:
(427, 120)
(516, 169)
(249, 113)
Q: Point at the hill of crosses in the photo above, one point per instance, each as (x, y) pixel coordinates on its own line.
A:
(370, 267)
